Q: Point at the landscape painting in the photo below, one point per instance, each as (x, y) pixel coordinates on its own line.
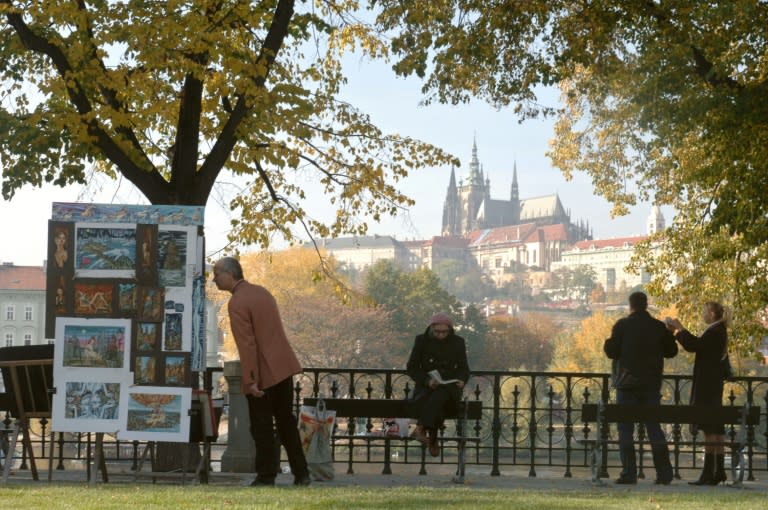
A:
(173, 340)
(158, 414)
(176, 370)
(94, 346)
(126, 299)
(145, 371)
(172, 258)
(109, 249)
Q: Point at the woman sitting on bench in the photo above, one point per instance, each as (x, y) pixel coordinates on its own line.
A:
(438, 365)
(711, 349)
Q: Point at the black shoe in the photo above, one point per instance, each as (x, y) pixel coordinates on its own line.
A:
(662, 482)
(263, 482)
(625, 481)
(701, 481)
(302, 480)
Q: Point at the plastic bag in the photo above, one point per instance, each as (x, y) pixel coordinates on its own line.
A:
(315, 429)
(396, 427)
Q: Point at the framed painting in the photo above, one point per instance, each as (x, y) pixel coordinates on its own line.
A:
(172, 340)
(59, 273)
(157, 414)
(145, 370)
(94, 297)
(105, 250)
(146, 337)
(61, 244)
(176, 248)
(126, 298)
(91, 343)
(146, 254)
(87, 406)
(176, 370)
(150, 304)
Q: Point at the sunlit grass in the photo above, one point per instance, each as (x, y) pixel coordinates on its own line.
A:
(136, 496)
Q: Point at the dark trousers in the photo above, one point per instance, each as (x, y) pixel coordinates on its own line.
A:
(277, 403)
(434, 405)
(656, 437)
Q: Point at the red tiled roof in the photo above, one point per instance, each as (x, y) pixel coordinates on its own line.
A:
(617, 242)
(551, 233)
(22, 277)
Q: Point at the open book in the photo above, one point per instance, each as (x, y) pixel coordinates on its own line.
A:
(434, 374)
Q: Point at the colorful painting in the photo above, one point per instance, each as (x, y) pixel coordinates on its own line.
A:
(146, 254)
(172, 258)
(60, 246)
(126, 299)
(94, 298)
(110, 213)
(93, 346)
(154, 412)
(147, 337)
(92, 401)
(150, 304)
(198, 324)
(145, 371)
(105, 248)
(59, 274)
(176, 370)
(173, 340)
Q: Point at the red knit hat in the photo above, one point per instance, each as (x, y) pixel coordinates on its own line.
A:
(441, 318)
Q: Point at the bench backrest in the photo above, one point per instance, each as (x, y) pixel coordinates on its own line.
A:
(385, 408)
(28, 377)
(613, 413)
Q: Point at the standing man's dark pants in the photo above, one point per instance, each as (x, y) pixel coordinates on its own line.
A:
(278, 403)
(655, 436)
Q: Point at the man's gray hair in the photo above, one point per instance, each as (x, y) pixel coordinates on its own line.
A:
(232, 266)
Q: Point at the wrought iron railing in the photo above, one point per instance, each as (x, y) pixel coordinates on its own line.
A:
(530, 419)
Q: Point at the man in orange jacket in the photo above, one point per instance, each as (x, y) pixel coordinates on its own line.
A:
(268, 364)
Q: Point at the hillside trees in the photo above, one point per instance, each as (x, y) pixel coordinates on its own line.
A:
(172, 95)
(662, 101)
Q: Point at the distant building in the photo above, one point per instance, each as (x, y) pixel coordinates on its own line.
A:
(22, 305)
(610, 257)
(360, 252)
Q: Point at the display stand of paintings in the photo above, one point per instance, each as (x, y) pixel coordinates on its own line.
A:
(124, 287)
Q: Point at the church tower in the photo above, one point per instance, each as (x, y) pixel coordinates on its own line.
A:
(514, 195)
(655, 221)
(451, 208)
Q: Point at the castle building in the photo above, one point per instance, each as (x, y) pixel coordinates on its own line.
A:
(468, 207)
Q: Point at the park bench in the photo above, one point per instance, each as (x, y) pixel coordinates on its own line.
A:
(392, 408)
(604, 414)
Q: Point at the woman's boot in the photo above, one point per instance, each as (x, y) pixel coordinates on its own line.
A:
(706, 476)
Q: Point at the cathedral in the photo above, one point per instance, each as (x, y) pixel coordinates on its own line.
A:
(469, 207)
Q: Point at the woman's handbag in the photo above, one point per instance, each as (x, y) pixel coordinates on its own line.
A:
(315, 429)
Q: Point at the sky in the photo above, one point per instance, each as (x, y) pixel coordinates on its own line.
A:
(394, 105)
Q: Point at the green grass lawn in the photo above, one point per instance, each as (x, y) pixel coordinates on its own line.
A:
(38, 496)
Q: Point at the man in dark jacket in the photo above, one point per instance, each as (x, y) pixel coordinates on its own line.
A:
(435, 395)
(638, 345)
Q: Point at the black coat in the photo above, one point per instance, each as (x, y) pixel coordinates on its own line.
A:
(448, 356)
(638, 344)
(707, 373)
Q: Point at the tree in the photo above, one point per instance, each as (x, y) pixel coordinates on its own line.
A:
(574, 283)
(324, 328)
(412, 298)
(662, 101)
(518, 343)
(582, 350)
(465, 281)
(169, 95)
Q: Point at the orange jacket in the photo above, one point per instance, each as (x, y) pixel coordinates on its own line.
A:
(266, 357)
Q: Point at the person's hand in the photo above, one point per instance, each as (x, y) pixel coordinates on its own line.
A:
(433, 383)
(673, 324)
(254, 390)
(460, 384)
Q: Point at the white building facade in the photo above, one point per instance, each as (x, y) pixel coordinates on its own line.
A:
(22, 305)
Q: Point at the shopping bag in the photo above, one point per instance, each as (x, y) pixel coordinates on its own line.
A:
(396, 427)
(315, 429)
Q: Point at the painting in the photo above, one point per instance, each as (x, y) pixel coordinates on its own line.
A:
(158, 414)
(105, 250)
(146, 254)
(92, 401)
(172, 258)
(150, 304)
(145, 371)
(147, 337)
(94, 298)
(93, 346)
(126, 299)
(198, 324)
(123, 213)
(173, 341)
(176, 369)
(61, 246)
(59, 273)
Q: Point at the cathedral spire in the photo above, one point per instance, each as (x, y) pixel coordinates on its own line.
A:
(474, 166)
(514, 194)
